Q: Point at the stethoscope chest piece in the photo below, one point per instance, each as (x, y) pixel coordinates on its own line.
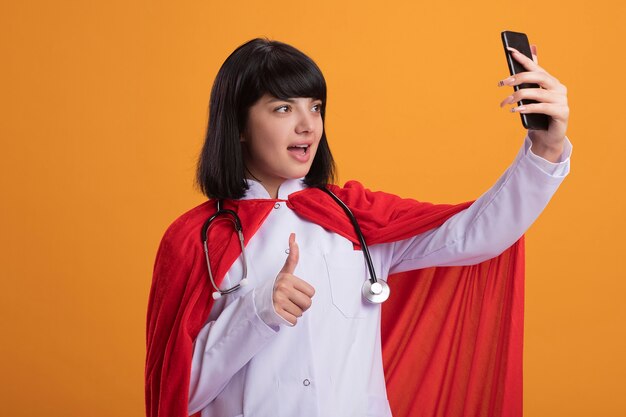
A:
(376, 292)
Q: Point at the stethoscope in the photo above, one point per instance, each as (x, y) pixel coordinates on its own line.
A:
(373, 290)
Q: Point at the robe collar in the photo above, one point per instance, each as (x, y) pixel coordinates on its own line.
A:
(256, 191)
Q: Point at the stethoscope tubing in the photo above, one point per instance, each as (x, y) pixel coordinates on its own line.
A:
(374, 290)
(233, 217)
(357, 228)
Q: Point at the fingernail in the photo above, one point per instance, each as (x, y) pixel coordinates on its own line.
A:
(518, 108)
(512, 49)
(507, 100)
(506, 81)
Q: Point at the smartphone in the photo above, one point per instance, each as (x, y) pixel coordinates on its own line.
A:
(519, 41)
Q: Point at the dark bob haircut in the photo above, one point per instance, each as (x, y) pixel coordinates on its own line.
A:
(255, 68)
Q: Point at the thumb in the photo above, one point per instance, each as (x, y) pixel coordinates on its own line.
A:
(533, 52)
(292, 258)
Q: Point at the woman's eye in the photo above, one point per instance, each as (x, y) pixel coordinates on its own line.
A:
(317, 107)
(282, 109)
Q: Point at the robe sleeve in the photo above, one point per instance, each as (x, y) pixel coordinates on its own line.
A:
(491, 224)
(224, 346)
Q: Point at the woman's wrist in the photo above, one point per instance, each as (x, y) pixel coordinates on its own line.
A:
(549, 151)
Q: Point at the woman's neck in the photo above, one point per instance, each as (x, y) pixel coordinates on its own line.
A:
(271, 187)
(272, 190)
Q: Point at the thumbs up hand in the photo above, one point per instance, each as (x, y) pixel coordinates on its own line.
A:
(292, 296)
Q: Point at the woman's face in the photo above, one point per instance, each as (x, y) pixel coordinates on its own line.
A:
(281, 139)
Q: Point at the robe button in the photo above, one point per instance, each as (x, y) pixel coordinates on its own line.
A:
(306, 382)
(287, 251)
(277, 205)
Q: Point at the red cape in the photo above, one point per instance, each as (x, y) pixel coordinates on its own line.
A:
(452, 336)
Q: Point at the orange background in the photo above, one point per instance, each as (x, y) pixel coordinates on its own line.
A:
(104, 107)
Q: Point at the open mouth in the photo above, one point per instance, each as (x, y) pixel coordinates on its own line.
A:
(300, 149)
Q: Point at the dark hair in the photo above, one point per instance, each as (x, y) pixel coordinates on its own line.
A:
(255, 68)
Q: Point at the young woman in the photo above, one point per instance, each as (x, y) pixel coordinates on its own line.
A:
(300, 339)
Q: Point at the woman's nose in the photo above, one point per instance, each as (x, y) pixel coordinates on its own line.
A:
(305, 122)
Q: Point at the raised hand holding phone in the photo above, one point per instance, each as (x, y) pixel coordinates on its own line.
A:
(551, 100)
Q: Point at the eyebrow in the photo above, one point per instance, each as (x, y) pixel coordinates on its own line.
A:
(275, 99)
(289, 100)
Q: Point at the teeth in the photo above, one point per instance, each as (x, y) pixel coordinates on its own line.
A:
(303, 147)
